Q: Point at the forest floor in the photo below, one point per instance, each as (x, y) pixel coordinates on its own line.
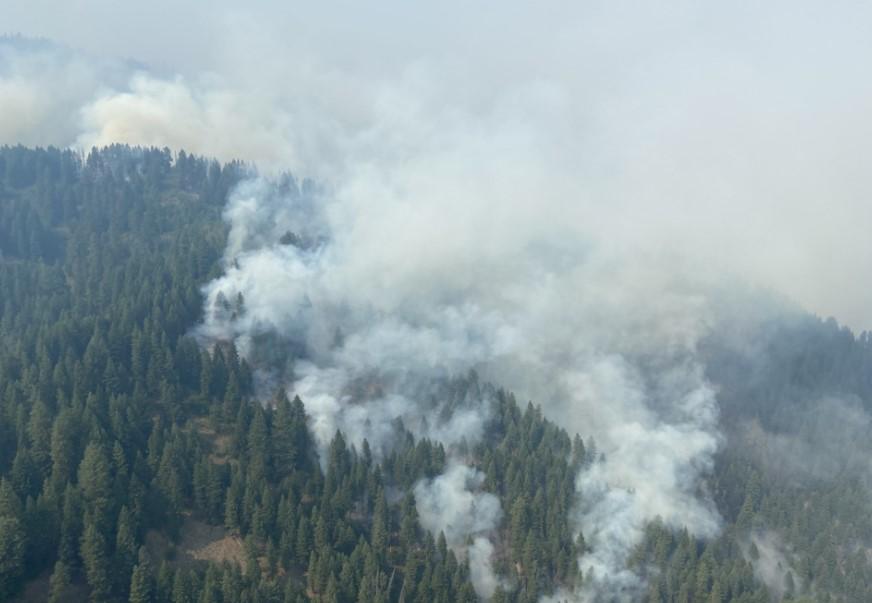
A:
(198, 541)
(220, 443)
(37, 590)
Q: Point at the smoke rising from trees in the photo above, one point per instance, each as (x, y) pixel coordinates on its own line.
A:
(561, 217)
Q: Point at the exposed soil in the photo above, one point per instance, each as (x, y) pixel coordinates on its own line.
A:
(198, 542)
(202, 542)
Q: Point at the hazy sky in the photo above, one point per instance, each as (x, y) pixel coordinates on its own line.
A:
(732, 135)
(560, 194)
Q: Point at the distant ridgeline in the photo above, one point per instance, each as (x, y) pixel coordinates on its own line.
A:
(136, 468)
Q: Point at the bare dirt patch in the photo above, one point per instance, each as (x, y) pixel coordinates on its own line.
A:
(219, 443)
(198, 542)
(202, 542)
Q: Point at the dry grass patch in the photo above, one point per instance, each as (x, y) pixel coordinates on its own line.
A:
(198, 542)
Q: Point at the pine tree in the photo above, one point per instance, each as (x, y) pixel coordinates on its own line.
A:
(258, 441)
(95, 558)
(125, 548)
(71, 526)
(331, 593)
(95, 480)
(284, 448)
(211, 590)
(39, 429)
(64, 434)
(232, 398)
(12, 538)
(252, 564)
(181, 588)
(12, 543)
(142, 581)
(233, 503)
(379, 538)
(59, 583)
(206, 375)
(716, 595)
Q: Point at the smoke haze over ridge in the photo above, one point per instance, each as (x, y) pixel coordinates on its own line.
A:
(605, 364)
(555, 198)
(735, 133)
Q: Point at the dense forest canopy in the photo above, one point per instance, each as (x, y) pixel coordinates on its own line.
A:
(401, 302)
(140, 463)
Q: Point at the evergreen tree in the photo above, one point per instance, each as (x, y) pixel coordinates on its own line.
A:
(12, 543)
(125, 548)
(95, 480)
(95, 558)
(142, 581)
(59, 583)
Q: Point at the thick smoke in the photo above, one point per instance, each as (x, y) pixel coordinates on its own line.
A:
(651, 469)
(562, 322)
(451, 504)
(43, 87)
(553, 197)
(359, 370)
(734, 133)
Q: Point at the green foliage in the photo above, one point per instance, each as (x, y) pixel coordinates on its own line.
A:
(107, 406)
(117, 428)
(12, 542)
(59, 583)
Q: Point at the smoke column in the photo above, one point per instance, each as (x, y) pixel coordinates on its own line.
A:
(606, 344)
(450, 505)
(558, 198)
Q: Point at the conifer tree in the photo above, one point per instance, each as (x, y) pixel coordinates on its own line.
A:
(59, 583)
(141, 581)
(94, 555)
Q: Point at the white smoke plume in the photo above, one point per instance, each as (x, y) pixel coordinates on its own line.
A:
(770, 559)
(451, 240)
(388, 312)
(43, 87)
(554, 196)
(452, 504)
(651, 469)
(481, 570)
(707, 125)
(288, 286)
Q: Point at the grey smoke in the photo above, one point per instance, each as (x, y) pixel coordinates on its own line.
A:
(481, 570)
(771, 563)
(602, 365)
(43, 87)
(820, 441)
(453, 504)
(297, 292)
(555, 197)
(651, 469)
(712, 127)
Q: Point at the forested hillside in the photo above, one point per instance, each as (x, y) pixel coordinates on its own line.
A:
(116, 425)
(138, 466)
